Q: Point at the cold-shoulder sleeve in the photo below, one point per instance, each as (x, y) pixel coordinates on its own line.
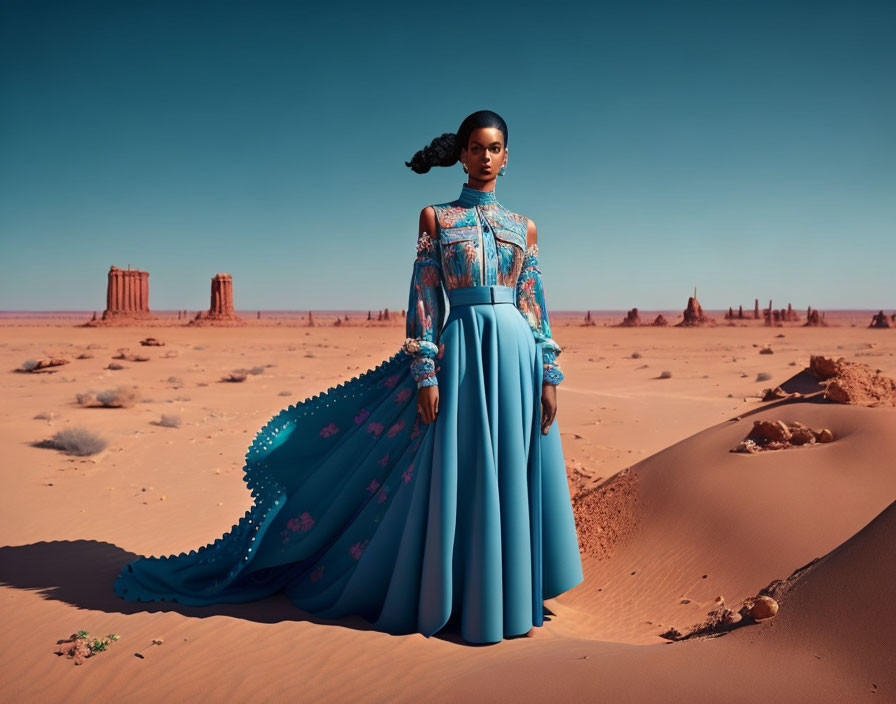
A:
(426, 311)
(530, 301)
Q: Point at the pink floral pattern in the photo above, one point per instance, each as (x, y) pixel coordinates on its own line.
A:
(396, 428)
(375, 428)
(357, 549)
(362, 416)
(301, 523)
(408, 473)
(328, 430)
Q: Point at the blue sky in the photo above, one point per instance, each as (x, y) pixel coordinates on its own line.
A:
(744, 148)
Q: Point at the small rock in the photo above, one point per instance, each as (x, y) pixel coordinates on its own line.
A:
(762, 608)
(824, 435)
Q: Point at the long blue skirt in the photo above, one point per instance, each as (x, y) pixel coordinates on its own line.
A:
(361, 508)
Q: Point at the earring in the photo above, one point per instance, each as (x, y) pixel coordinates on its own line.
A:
(465, 167)
(503, 169)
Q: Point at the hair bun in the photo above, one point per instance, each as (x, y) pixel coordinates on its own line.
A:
(442, 151)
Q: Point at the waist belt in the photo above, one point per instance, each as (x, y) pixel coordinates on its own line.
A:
(474, 295)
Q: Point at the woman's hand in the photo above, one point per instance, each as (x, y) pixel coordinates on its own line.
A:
(428, 403)
(548, 406)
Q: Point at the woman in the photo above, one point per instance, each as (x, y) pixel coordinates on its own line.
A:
(431, 488)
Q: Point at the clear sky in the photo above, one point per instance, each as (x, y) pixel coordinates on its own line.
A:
(746, 148)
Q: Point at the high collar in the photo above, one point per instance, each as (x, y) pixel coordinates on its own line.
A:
(472, 196)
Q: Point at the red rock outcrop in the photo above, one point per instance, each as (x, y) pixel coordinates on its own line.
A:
(660, 320)
(814, 319)
(756, 309)
(220, 311)
(632, 319)
(853, 382)
(693, 314)
(879, 321)
(127, 297)
(221, 306)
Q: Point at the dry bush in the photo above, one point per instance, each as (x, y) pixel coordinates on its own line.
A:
(763, 376)
(87, 398)
(78, 441)
(119, 397)
(665, 375)
(169, 421)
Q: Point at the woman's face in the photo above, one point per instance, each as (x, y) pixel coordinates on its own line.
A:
(485, 154)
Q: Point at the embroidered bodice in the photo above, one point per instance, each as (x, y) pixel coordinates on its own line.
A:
(478, 242)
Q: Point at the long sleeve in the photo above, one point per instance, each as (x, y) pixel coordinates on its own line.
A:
(426, 311)
(530, 301)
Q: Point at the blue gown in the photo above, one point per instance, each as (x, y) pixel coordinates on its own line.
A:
(361, 508)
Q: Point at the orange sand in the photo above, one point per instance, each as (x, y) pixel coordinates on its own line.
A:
(684, 507)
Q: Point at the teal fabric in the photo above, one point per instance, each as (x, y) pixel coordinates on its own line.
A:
(360, 508)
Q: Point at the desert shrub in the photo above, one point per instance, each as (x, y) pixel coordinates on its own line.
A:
(665, 375)
(45, 415)
(256, 370)
(636, 355)
(169, 421)
(114, 365)
(285, 393)
(29, 364)
(763, 376)
(119, 397)
(78, 441)
(86, 398)
(175, 380)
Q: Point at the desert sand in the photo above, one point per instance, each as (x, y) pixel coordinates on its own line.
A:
(669, 520)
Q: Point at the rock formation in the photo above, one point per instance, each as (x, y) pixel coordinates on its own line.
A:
(588, 319)
(853, 383)
(632, 319)
(693, 314)
(660, 320)
(220, 311)
(221, 306)
(791, 315)
(127, 297)
(756, 309)
(879, 321)
(814, 319)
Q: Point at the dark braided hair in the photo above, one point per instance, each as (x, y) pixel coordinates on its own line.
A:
(444, 150)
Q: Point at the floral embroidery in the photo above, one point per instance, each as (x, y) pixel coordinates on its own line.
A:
(390, 381)
(396, 428)
(375, 428)
(415, 430)
(357, 549)
(302, 523)
(373, 486)
(362, 416)
(408, 473)
(380, 497)
(403, 395)
(384, 460)
(478, 241)
(328, 430)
